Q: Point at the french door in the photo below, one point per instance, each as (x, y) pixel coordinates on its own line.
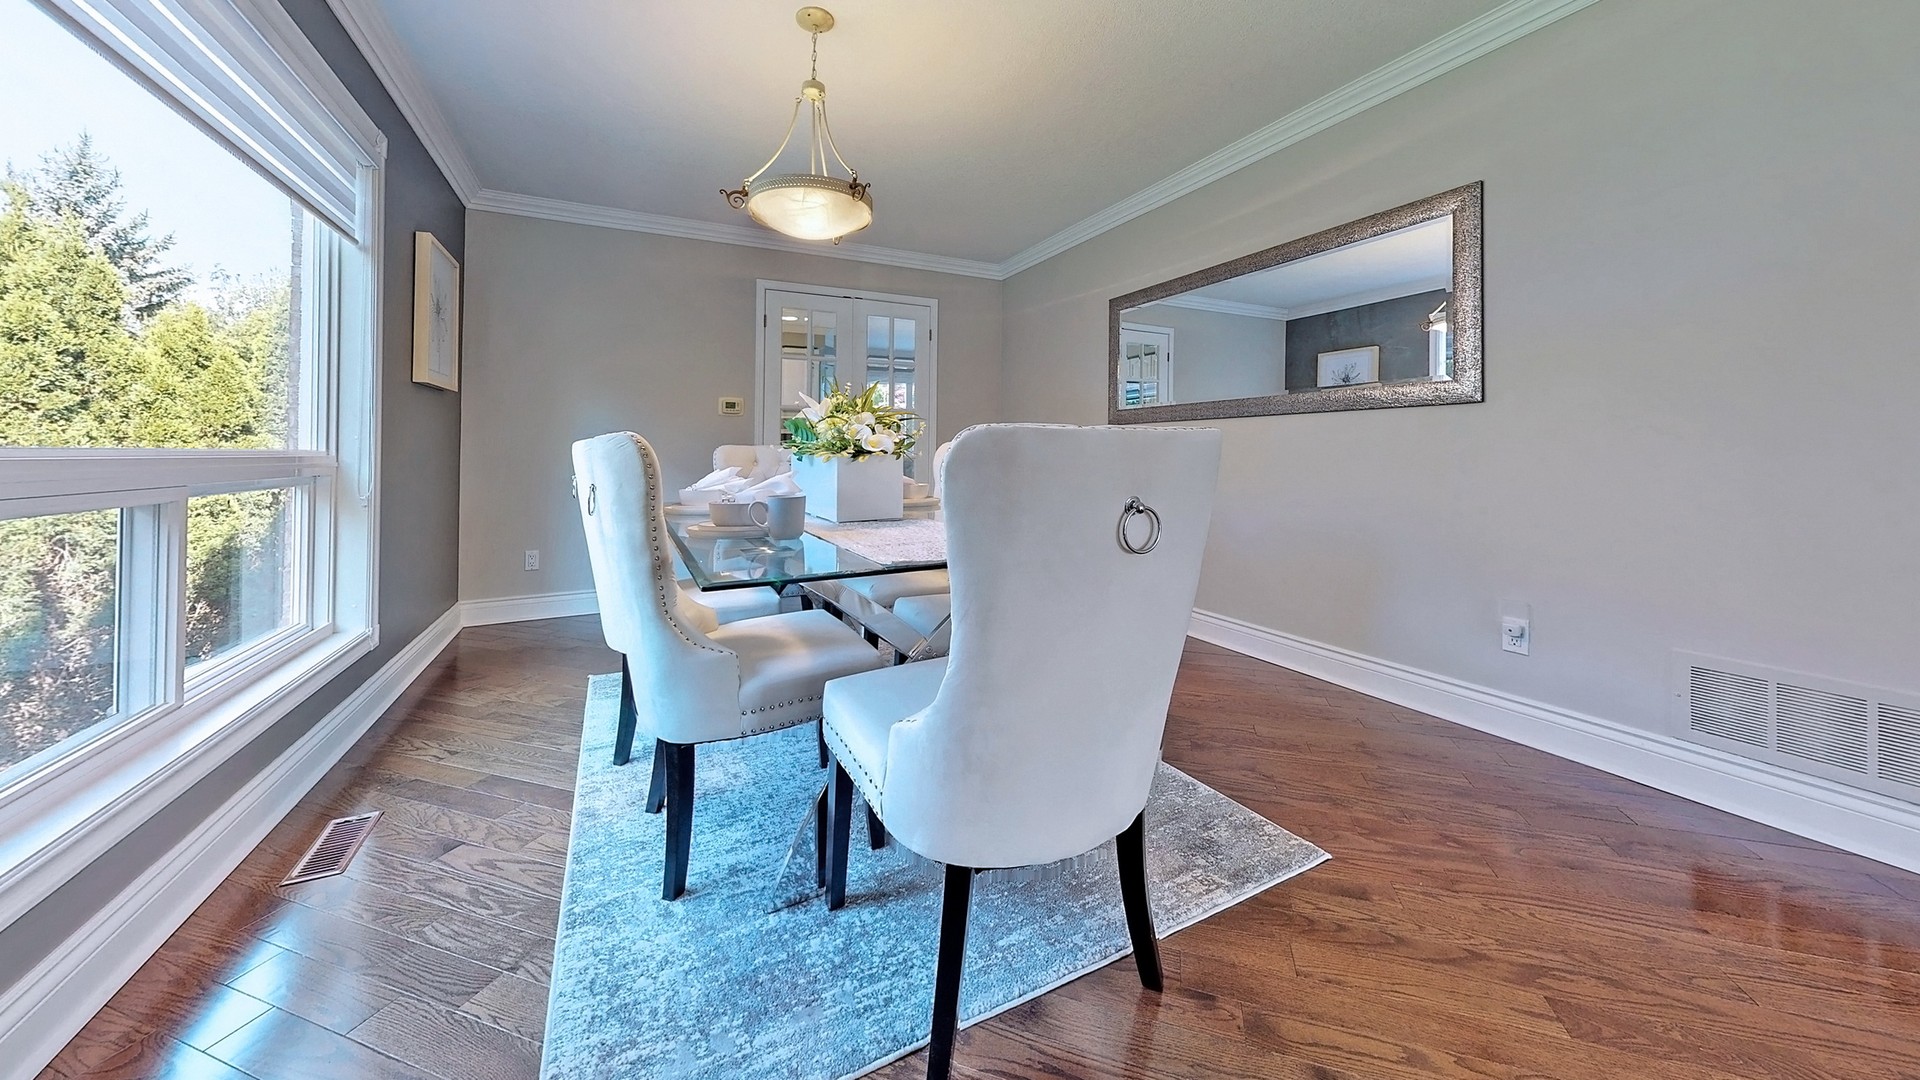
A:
(812, 342)
(1146, 365)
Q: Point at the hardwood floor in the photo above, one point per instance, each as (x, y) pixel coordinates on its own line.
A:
(1490, 911)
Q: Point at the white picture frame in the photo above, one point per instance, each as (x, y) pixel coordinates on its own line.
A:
(1349, 367)
(436, 314)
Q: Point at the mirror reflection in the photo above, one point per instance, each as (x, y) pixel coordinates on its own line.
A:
(1323, 323)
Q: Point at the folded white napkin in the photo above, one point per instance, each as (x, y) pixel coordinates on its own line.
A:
(782, 484)
(716, 478)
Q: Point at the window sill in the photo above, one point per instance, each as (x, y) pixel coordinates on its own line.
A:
(54, 827)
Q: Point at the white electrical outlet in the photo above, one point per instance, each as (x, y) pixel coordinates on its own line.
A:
(533, 558)
(1516, 635)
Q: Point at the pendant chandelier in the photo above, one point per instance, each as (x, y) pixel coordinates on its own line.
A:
(815, 204)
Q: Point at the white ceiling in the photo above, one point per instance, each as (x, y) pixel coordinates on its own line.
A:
(985, 128)
(1415, 259)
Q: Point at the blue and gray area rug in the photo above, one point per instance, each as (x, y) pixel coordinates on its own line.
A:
(748, 976)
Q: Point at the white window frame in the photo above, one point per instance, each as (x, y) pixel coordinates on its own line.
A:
(61, 811)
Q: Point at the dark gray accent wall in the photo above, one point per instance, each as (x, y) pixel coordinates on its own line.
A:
(1398, 326)
(419, 510)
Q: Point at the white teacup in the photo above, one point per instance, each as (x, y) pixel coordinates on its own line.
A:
(918, 491)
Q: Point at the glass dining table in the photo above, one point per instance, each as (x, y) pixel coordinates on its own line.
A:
(813, 568)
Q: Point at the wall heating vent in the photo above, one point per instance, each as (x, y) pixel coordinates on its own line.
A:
(1861, 735)
(330, 854)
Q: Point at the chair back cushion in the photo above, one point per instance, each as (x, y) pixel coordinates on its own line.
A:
(939, 464)
(754, 462)
(1045, 735)
(683, 681)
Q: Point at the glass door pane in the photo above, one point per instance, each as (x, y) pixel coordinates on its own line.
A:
(803, 354)
(897, 338)
(809, 348)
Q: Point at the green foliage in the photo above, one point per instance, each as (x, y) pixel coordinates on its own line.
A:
(64, 352)
(57, 577)
(852, 425)
(77, 182)
(77, 370)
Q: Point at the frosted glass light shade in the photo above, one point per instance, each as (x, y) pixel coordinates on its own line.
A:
(810, 207)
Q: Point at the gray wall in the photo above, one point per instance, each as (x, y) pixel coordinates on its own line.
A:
(1684, 204)
(1216, 355)
(574, 330)
(1398, 326)
(419, 511)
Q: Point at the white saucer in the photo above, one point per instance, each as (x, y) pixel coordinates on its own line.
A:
(708, 528)
(928, 503)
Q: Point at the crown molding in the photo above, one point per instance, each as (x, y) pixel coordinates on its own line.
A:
(1372, 296)
(369, 29)
(1469, 42)
(1224, 307)
(506, 202)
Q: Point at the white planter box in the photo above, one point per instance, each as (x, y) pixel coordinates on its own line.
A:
(850, 489)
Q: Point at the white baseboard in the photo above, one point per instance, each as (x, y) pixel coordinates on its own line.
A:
(506, 609)
(45, 1009)
(1863, 822)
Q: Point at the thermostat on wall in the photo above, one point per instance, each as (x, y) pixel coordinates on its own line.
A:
(732, 406)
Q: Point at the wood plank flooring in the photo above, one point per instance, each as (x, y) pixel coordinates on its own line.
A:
(1490, 911)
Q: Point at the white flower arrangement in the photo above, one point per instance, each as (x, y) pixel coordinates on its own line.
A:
(852, 426)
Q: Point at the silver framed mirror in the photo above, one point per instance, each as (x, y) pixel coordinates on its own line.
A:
(1379, 313)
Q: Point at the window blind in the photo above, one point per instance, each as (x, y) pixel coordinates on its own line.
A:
(244, 74)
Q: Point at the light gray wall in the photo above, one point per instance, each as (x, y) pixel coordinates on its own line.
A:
(1702, 258)
(574, 330)
(1217, 355)
(419, 512)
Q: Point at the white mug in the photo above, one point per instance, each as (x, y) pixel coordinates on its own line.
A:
(785, 516)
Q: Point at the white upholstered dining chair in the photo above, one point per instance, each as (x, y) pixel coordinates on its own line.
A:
(755, 462)
(1033, 742)
(685, 679)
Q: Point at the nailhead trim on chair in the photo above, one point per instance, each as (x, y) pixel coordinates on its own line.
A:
(868, 788)
(783, 725)
(785, 722)
(779, 705)
(656, 524)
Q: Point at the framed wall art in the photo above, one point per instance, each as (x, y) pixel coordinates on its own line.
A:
(436, 314)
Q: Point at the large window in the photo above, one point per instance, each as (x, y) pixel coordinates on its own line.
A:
(187, 285)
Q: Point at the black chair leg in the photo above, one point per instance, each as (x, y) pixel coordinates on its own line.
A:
(679, 818)
(820, 736)
(946, 972)
(1132, 848)
(629, 717)
(839, 831)
(876, 830)
(820, 838)
(657, 787)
